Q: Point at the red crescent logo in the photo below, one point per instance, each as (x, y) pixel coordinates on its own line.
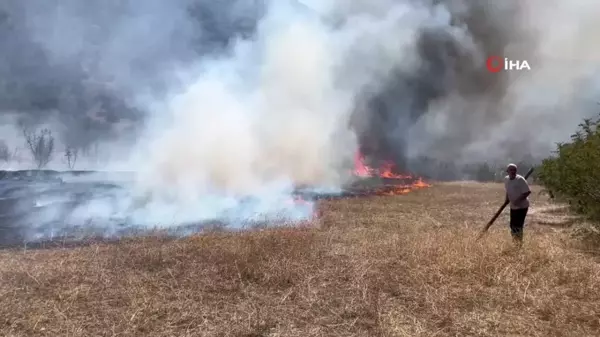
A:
(494, 64)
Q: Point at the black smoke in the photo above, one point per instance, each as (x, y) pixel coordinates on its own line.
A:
(447, 68)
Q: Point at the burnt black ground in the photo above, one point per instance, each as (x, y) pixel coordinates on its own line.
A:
(35, 208)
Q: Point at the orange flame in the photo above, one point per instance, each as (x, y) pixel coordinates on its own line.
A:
(386, 172)
(402, 186)
(360, 169)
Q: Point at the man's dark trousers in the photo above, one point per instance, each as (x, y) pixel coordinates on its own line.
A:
(517, 221)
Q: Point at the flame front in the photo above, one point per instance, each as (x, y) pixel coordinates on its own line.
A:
(386, 172)
(391, 183)
(360, 169)
(394, 184)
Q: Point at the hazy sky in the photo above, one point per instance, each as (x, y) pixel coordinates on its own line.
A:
(272, 87)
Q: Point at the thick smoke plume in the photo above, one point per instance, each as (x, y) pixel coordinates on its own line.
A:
(212, 102)
(450, 107)
(412, 71)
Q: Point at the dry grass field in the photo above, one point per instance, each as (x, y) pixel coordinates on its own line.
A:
(385, 266)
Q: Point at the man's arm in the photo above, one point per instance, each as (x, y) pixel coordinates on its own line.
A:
(524, 196)
(525, 188)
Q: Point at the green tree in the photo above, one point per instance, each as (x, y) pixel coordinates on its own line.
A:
(572, 174)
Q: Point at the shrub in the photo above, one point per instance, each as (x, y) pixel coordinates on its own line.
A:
(573, 173)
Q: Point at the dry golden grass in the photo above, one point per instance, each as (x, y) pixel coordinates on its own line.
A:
(386, 266)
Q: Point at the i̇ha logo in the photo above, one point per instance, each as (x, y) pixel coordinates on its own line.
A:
(496, 64)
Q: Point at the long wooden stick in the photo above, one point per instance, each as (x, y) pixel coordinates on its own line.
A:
(491, 222)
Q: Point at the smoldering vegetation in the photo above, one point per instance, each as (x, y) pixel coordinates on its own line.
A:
(40, 206)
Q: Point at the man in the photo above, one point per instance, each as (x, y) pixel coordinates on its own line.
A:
(517, 194)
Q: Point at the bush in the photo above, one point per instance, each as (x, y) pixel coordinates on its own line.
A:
(573, 173)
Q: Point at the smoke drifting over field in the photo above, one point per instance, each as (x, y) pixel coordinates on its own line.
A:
(246, 97)
(411, 72)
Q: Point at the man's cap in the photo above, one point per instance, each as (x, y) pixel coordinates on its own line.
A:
(511, 165)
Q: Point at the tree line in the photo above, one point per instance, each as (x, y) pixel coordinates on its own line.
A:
(572, 173)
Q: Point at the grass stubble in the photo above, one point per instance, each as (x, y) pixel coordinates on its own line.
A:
(405, 265)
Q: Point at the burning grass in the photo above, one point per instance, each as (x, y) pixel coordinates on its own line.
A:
(382, 266)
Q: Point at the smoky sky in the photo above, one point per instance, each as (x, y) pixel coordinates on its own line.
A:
(447, 68)
(84, 63)
(92, 65)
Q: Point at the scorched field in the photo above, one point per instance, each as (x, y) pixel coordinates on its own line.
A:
(388, 265)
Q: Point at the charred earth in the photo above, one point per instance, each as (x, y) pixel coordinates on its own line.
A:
(38, 207)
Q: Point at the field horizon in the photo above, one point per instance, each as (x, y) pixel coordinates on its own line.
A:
(405, 265)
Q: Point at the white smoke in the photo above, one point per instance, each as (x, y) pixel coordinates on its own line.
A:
(274, 113)
(278, 109)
